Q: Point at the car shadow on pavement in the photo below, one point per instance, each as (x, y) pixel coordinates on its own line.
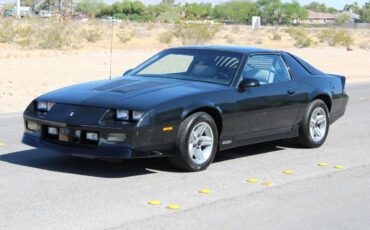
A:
(47, 160)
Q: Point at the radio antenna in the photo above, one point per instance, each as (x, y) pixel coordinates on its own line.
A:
(111, 50)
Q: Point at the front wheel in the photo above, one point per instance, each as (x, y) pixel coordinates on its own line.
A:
(197, 142)
(315, 125)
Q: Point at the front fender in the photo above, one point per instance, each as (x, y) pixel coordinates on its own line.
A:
(199, 105)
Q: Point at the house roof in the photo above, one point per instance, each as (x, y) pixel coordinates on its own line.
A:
(319, 15)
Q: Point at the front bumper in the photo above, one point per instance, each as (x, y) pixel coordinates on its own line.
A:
(140, 143)
(100, 151)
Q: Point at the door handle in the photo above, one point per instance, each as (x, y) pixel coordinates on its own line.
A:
(291, 91)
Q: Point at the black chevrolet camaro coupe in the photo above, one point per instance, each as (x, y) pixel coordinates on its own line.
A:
(188, 103)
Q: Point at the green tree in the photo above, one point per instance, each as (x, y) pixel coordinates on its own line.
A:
(237, 11)
(293, 10)
(30, 3)
(355, 7)
(197, 11)
(270, 10)
(90, 7)
(365, 13)
(343, 18)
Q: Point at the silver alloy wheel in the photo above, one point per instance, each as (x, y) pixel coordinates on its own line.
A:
(200, 143)
(318, 124)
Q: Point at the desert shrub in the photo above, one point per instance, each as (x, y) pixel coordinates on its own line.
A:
(165, 37)
(7, 31)
(335, 37)
(25, 36)
(57, 35)
(92, 34)
(300, 36)
(325, 35)
(276, 36)
(195, 34)
(125, 35)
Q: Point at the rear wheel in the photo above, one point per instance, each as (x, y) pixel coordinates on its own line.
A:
(196, 143)
(315, 125)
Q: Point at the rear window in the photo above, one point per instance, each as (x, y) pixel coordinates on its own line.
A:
(308, 67)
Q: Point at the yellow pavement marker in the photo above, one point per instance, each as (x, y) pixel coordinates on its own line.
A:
(173, 206)
(266, 183)
(288, 171)
(205, 191)
(338, 166)
(154, 202)
(362, 98)
(322, 164)
(2, 144)
(252, 180)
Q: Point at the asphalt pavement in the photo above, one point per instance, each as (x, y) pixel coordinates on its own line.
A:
(40, 189)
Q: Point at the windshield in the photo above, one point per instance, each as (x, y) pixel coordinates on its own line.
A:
(192, 64)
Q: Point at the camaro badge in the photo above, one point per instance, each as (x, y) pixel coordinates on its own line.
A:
(71, 114)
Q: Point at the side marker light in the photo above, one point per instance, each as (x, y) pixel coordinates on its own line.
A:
(166, 129)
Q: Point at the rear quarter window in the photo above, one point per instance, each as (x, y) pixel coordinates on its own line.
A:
(312, 70)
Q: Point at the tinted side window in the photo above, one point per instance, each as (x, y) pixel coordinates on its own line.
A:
(267, 69)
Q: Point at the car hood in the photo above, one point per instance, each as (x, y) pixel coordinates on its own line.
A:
(129, 92)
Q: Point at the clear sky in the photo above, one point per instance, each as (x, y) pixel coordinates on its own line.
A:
(338, 4)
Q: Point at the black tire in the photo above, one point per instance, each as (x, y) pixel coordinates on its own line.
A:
(181, 158)
(305, 138)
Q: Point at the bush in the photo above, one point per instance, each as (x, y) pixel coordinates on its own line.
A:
(125, 35)
(57, 35)
(165, 37)
(7, 31)
(195, 34)
(24, 36)
(335, 37)
(276, 36)
(92, 34)
(300, 36)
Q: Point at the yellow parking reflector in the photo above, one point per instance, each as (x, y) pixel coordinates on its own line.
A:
(288, 172)
(322, 164)
(169, 128)
(2, 144)
(266, 183)
(338, 166)
(154, 202)
(205, 191)
(173, 206)
(252, 180)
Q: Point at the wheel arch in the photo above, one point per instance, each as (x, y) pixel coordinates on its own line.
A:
(326, 98)
(214, 111)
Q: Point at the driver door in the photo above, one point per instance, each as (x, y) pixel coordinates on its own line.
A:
(271, 108)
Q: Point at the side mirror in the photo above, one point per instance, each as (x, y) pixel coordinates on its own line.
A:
(127, 72)
(248, 82)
